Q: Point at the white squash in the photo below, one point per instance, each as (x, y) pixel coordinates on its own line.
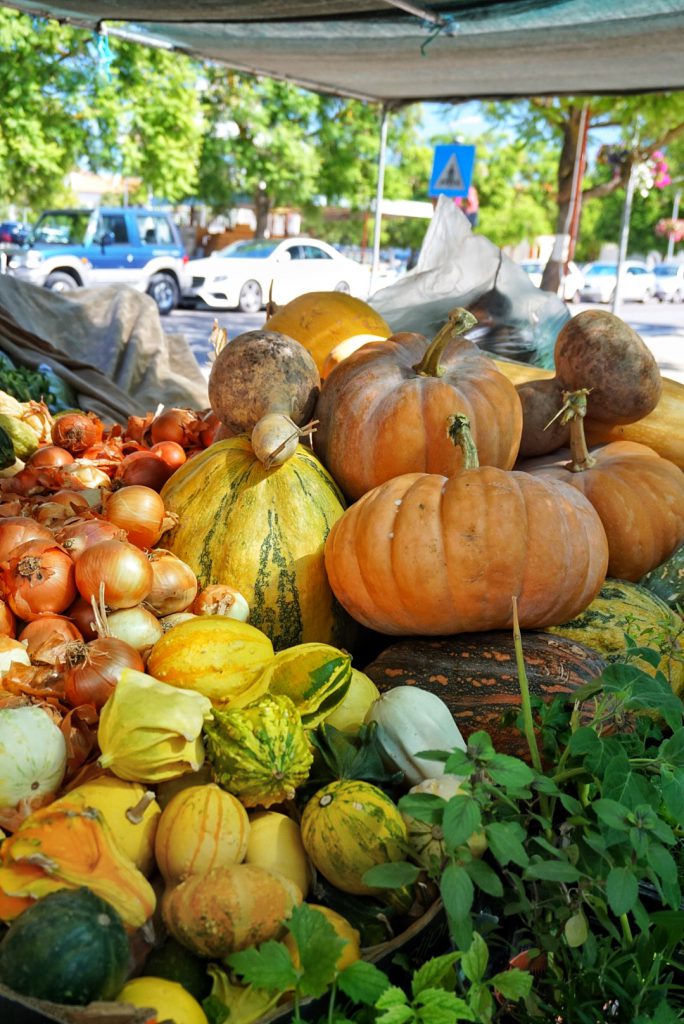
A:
(33, 760)
(412, 720)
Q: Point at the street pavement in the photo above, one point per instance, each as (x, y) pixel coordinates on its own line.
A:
(661, 325)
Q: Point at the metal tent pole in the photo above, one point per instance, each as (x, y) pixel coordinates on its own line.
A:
(624, 238)
(378, 198)
(675, 215)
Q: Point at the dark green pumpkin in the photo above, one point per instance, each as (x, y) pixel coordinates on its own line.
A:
(666, 581)
(476, 676)
(70, 947)
(175, 962)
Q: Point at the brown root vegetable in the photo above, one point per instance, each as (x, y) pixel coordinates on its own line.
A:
(541, 402)
(262, 372)
(599, 351)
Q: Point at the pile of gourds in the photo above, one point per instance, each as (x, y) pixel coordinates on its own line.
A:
(169, 781)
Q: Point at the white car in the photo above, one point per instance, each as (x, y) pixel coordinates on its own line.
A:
(669, 282)
(573, 281)
(637, 282)
(242, 275)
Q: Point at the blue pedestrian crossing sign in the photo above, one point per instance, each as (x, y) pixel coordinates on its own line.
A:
(452, 170)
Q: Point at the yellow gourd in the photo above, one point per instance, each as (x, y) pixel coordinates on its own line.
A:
(170, 1000)
(275, 843)
(350, 953)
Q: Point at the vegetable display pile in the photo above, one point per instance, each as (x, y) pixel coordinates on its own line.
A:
(281, 677)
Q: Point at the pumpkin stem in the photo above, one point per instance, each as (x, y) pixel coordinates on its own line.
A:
(218, 337)
(271, 306)
(460, 321)
(459, 433)
(573, 411)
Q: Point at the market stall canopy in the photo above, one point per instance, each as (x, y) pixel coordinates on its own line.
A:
(396, 51)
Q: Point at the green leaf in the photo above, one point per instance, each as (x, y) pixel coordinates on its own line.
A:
(267, 967)
(241, 1004)
(665, 867)
(505, 841)
(461, 819)
(576, 929)
(319, 948)
(439, 1007)
(363, 982)
(431, 973)
(621, 890)
(457, 891)
(625, 784)
(434, 755)
(485, 878)
(509, 771)
(396, 1009)
(512, 984)
(613, 814)
(552, 871)
(480, 746)
(672, 786)
(351, 757)
(423, 807)
(458, 763)
(672, 749)
(475, 959)
(391, 876)
(584, 741)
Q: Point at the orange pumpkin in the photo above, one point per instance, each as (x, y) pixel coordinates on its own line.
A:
(638, 495)
(426, 554)
(383, 411)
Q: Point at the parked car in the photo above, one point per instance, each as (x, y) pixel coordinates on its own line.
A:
(113, 245)
(242, 275)
(573, 282)
(13, 232)
(637, 282)
(669, 282)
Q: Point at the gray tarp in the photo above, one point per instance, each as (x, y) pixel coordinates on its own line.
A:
(375, 50)
(106, 343)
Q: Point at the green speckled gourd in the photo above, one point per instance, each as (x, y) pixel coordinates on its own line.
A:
(262, 531)
(627, 608)
(259, 753)
(666, 581)
(349, 827)
(315, 676)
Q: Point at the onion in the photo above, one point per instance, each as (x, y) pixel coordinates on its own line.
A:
(169, 621)
(175, 584)
(52, 514)
(76, 537)
(12, 651)
(139, 511)
(18, 530)
(179, 425)
(220, 599)
(39, 580)
(76, 431)
(170, 452)
(144, 468)
(47, 639)
(120, 569)
(50, 455)
(210, 425)
(138, 427)
(8, 625)
(137, 626)
(95, 669)
(275, 438)
(82, 615)
(89, 476)
(72, 499)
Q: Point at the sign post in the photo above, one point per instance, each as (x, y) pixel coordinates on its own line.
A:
(452, 170)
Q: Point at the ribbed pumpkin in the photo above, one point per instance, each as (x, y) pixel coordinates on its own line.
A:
(261, 531)
(626, 608)
(476, 676)
(383, 411)
(349, 827)
(322, 320)
(426, 554)
(202, 827)
(638, 495)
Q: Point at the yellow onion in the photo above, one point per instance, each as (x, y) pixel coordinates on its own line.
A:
(174, 583)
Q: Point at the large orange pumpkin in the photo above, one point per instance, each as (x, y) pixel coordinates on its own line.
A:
(431, 555)
(638, 495)
(383, 411)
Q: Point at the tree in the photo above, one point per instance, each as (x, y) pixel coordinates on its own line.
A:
(643, 124)
(63, 106)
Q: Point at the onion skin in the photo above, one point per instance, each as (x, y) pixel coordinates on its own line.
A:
(96, 669)
(46, 639)
(77, 431)
(220, 599)
(138, 627)
(175, 584)
(144, 468)
(120, 568)
(179, 425)
(16, 530)
(138, 510)
(49, 457)
(170, 452)
(77, 537)
(82, 615)
(8, 623)
(39, 580)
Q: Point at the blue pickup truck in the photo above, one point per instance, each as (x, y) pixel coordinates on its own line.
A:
(110, 245)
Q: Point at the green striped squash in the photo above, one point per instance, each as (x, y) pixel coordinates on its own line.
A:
(261, 531)
(349, 827)
(627, 608)
(315, 677)
(666, 581)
